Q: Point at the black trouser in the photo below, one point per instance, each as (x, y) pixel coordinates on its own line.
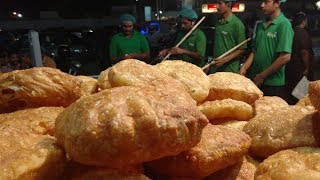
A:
(274, 91)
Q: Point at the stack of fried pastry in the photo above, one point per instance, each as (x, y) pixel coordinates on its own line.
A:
(164, 121)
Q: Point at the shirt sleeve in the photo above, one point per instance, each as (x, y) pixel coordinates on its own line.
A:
(285, 33)
(201, 44)
(113, 47)
(241, 35)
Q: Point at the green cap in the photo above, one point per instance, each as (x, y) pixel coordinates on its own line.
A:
(128, 17)
(188, 14)
(283, 0)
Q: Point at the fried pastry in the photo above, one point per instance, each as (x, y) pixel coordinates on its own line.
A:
(129, 125)
(295, 164)
(37, 87)
(304, 101)
(226, 109)
(281, 129)
(191, 76)
(88, 85)
(78, 171)
(238, 125)
(314, 94)
(132, 72)
(243, 170)
(225, 85)
(103, 80)
(267, 103)
(219, 148)
(27, 149)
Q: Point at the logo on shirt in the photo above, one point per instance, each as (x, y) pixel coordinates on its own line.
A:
(224, 32)
(191, 44)
(272, 34)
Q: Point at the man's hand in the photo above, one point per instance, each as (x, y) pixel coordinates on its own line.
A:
(163, 53)
(176, 50)
(242, 71)
(220, 62)
(258, 80)
(206, 70)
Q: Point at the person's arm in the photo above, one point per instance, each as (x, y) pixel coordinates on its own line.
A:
(282, 59)
(246, 65)
(305, 55)
(178, 51)
(230, 57)
(140, 56)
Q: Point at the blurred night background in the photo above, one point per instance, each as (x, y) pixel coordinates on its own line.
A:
(84, 27)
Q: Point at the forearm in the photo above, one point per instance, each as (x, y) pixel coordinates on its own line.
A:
(235, 54)
(276, 65)
(305, 55)
(141, 56)
(246, 65)
(192, 54)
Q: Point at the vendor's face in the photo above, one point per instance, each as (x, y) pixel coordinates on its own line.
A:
(269, 6)
(186, 24)
(127, 27)
(222, 7)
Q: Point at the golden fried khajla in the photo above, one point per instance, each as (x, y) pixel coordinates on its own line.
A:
(37, 87)
(281, 129)
(196, 82)
(298, 163)
(88, 85)
(128, 125)
(28, 149)
(132, 72)
(226, 109)
(224, 85)
(219, 148)
(267, 103)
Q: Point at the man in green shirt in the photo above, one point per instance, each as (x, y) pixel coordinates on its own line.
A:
(128, 44)
(271, 50)
(229, 32)
(192, 49)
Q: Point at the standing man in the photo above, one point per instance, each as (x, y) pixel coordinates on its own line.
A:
(271, 50)
(301, 57)
(128, 44)
(229, 32)
(192, 49)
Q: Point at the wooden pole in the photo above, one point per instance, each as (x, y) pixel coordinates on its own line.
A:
(226, 53)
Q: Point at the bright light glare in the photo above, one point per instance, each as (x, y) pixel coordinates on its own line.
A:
(160, 12)
(318, 4)
(20, 15)
(14, 13)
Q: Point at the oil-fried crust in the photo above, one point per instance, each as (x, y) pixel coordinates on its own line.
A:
(234, 86)
(129, 125)
(226, 109)
(267, 103)
(27, 149)
(37, 87)
(219, 148)
(88, 85)
(298, 163)
(281, 129)
(191, 76)
(314, 94)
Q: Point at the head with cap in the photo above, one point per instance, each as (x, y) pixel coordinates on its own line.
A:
(270, 7)
(127, 23)
(187, 18)
(225, 6)
(300, 19)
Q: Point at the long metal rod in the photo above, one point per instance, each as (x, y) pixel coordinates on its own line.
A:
(186, 36)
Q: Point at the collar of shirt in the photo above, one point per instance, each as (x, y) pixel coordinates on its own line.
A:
(134, 33)
(277, 20)
(223, 21)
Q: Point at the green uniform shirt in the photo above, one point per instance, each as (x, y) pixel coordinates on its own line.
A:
(228, 34)
(267, 44)
(120, 45)
(196, 42)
